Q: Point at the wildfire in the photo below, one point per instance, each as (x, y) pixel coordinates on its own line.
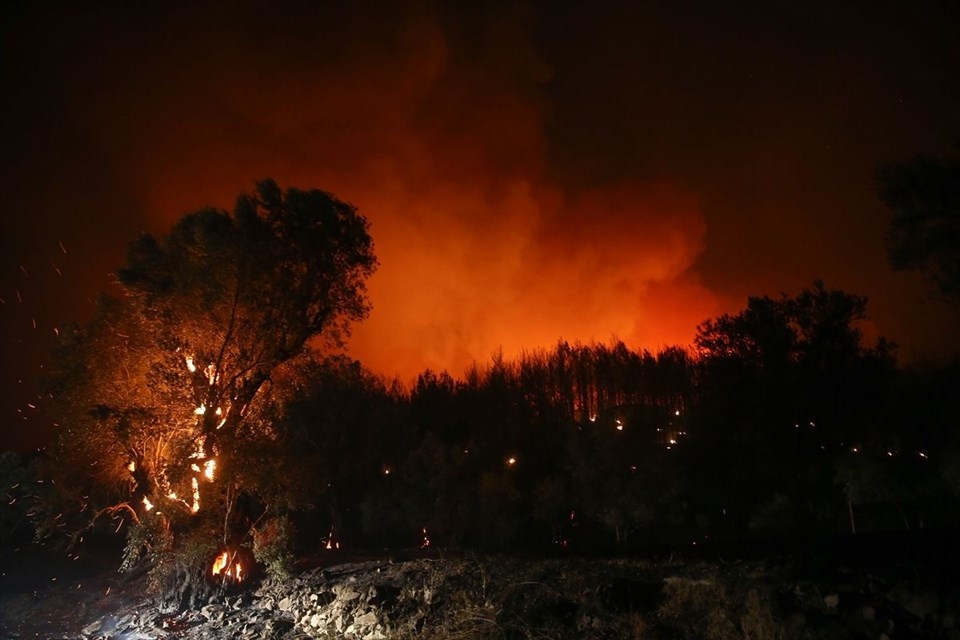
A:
(331, 543)
(147, 504)
(208, 468)
(230, 571)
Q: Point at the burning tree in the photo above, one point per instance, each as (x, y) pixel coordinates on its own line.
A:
(164, 399)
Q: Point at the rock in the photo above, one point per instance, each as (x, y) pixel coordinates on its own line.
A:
(366, 620)
(286, 604)
(208, 611)
(922, 605)
(347, 594)
(277, 628)
(831, 600)
(92, 628)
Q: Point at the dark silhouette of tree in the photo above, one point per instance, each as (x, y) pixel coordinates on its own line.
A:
(924, 233)
(784, 381)
(341, 431)
(166, 389)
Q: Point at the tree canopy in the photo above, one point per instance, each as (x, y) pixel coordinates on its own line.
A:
(924, 233)
(160, 397)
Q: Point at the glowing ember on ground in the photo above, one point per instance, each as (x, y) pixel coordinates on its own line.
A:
(331, 543)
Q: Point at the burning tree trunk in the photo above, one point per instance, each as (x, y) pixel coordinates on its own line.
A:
(212, 314)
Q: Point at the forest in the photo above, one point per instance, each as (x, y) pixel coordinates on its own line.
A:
(210, 414)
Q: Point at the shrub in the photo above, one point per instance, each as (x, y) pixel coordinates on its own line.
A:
(272, 546)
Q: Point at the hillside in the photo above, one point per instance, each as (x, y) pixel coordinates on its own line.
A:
(880, 592)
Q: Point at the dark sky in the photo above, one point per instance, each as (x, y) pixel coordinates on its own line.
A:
(531, 171)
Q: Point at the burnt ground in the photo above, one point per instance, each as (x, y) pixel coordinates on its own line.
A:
(865, 587)
(46, 594)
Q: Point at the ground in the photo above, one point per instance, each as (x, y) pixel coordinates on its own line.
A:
(869, 589)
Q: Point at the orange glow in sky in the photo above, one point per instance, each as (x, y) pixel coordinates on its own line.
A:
(530, 174)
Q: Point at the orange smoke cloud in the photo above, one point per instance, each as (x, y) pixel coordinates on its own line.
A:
(441, 145)
(614, 262)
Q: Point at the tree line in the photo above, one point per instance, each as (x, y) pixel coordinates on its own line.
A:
(205, 412)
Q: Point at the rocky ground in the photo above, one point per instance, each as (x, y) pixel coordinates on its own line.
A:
(486, 597)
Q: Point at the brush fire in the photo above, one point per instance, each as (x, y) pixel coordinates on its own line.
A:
(228, 567)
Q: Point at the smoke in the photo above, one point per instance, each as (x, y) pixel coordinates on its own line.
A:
(433, 125)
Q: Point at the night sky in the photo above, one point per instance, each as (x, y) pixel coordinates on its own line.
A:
(531, 171)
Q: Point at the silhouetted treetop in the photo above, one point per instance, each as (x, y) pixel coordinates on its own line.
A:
(924, 232)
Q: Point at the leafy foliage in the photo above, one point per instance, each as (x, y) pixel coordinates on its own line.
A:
(924, 234)
(165, 399)
(273, 546)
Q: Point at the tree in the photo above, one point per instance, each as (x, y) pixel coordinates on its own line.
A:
(780, 376)
(164, 393)
(924, 232)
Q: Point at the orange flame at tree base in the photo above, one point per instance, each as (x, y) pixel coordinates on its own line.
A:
(230, 571)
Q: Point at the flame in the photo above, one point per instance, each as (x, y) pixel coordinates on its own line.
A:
(221, 564)
(202, 409)
(132, 466)
(192, 367)
(331, 543)
(196, 495)
(147, 504)
(208, 468)
(211, 373)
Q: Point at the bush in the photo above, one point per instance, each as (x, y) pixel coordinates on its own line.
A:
(272, 546)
